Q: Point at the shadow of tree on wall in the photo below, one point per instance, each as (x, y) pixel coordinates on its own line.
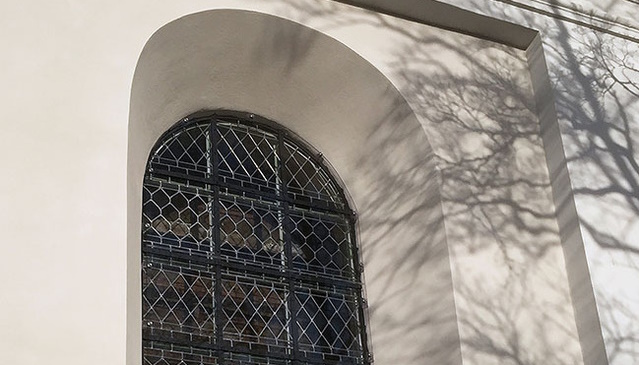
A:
(403, 204)
(513, 301)
(597, 99)
(596, 94)
(475, 101)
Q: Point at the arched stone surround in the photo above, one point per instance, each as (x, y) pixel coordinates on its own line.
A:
(346, 109)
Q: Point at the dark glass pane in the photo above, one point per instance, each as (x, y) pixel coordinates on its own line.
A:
(328, 324)
(247, 157)
(177, 299)
(185, 153)
(175, 218)
(255, 311)
(321, 243)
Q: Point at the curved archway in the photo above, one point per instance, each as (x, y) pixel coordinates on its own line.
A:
(338, 102)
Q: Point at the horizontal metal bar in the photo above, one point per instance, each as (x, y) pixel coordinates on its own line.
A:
(253, 268)
(315, 205)
(222, 349)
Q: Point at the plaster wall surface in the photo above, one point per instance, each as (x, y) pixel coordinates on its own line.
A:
(591, 50)
(619, 15)
(67, 86)
(498, 207)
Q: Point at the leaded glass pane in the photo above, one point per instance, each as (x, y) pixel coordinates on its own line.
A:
(155, 353)
(255, 310)
(246, 359)
(177, 301)
(305, 181)
(183, 156)
(247, 157)
(251, 231)
(248, 251)
(328, 324)
(176, 219)
(321, 243)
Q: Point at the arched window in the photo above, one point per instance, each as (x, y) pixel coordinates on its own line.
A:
(248, 248)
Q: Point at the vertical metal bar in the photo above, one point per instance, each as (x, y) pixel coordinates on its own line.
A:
(288, 248)
(217, 293)
(362, 306)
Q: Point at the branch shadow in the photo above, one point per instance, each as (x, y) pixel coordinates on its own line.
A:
(488, 165)
(597, 102)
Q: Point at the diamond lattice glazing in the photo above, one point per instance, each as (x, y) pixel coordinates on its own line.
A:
(248, 251)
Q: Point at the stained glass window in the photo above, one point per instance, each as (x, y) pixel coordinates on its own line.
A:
(248, 248)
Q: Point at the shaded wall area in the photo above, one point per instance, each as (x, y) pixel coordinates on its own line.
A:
(597, 103)
(476, 103)
(594, 76)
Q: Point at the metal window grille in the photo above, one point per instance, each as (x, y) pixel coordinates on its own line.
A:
(248, 250)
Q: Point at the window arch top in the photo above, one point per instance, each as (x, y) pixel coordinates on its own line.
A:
(249, 250)
(255, 157)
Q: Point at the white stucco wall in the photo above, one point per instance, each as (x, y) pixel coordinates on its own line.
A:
(67, 74)
(591, 49)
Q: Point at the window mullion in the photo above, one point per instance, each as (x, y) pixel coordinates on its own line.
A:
(362, 305)
(291, 302)
(215, 227)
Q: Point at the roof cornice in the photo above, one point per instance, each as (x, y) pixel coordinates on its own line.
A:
(452, 18)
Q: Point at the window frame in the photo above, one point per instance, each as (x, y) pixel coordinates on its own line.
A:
(283, 134)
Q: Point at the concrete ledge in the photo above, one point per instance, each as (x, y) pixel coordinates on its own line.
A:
(452, 18)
